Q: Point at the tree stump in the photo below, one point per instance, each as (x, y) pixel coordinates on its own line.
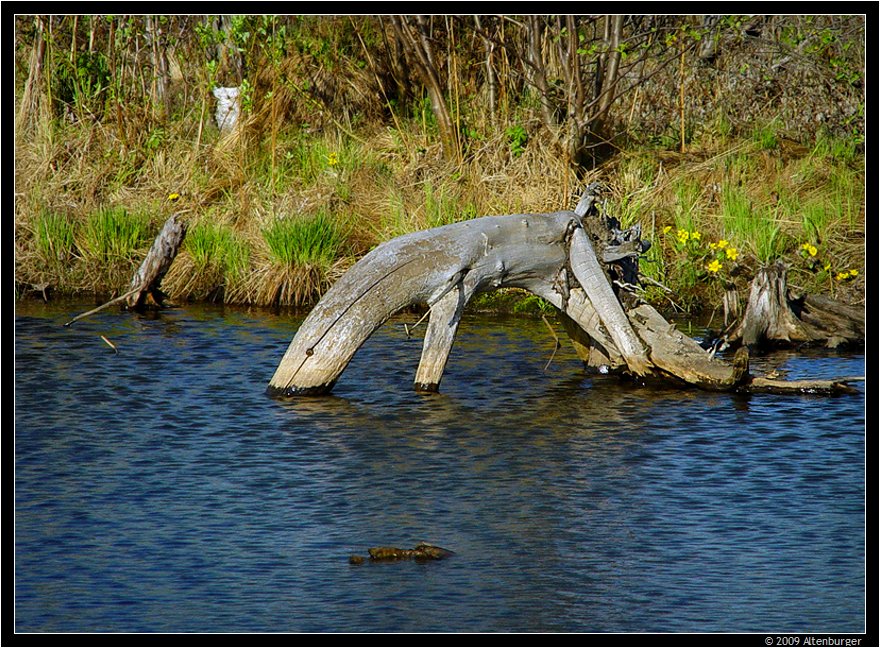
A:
(776, 318)
(144, 287)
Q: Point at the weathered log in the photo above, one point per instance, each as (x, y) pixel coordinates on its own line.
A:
(144, 286)
(776, 318)
(836, 324)
(587, 271)
(529, 251)
(680, 357)
(550, 255)
(765, 385)
(439, 338)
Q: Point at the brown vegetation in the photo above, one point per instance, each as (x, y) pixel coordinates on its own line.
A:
(384, 125)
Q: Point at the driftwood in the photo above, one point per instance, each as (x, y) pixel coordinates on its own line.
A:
(422, 552)
(774, 317)
(144, 287)
(764, 385)
(550, 255)
(553, 256)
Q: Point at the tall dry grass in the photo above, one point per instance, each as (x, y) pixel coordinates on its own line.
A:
(370, 161)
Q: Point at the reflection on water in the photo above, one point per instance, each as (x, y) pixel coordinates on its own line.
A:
(159, 489)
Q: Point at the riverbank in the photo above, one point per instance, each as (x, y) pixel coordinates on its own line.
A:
(733, 141)
(713, 214)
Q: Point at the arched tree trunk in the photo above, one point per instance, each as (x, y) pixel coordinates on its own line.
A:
(550, 255)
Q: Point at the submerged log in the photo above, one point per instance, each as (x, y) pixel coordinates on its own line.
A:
(776, 318)
(835, 387)
(422, 552)
(144, 287)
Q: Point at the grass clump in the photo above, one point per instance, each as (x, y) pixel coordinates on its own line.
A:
(110, 243)
(214, 263)
(305, 241)
(213, 245)
(766, 135)
(427, 207)
(754, 228)
(303, 253)
(112, 234)
(53, 237)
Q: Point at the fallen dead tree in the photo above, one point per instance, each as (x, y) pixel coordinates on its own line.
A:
(551, 255)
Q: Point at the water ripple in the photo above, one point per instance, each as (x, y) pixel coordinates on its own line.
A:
(159, 489)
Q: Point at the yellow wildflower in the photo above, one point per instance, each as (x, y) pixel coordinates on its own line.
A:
(713, 246)
(826, 266)
(732, 253)
(842, 275)
(173, 196)
(667, 229)
(696, 235)
(810, 249)
(714, 266)
(853, 273)
(683, 235)
(722, 244)
(332, 159)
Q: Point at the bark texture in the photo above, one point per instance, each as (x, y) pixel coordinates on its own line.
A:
(550, 255)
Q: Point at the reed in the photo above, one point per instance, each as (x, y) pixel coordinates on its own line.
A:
(751, 227)
(212, 265)
(304, 241)
(112, 234)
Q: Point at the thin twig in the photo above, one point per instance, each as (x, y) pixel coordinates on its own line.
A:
(103, 306)
(555, 338)
(410, 330)
(110, 344)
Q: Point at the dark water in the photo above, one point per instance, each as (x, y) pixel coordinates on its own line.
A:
(158, 489)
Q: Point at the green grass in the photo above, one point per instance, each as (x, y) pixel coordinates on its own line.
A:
(305, 241)
(688, 192)
(443, 207)
(816, 217)
(841, 149)
(434, 207)
(306, 159)
(113, 234)
(766, 135)
(847, 195)
(752, 228)
(53, 237)
(214, 246)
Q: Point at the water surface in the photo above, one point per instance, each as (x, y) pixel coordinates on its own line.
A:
(159, 490)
